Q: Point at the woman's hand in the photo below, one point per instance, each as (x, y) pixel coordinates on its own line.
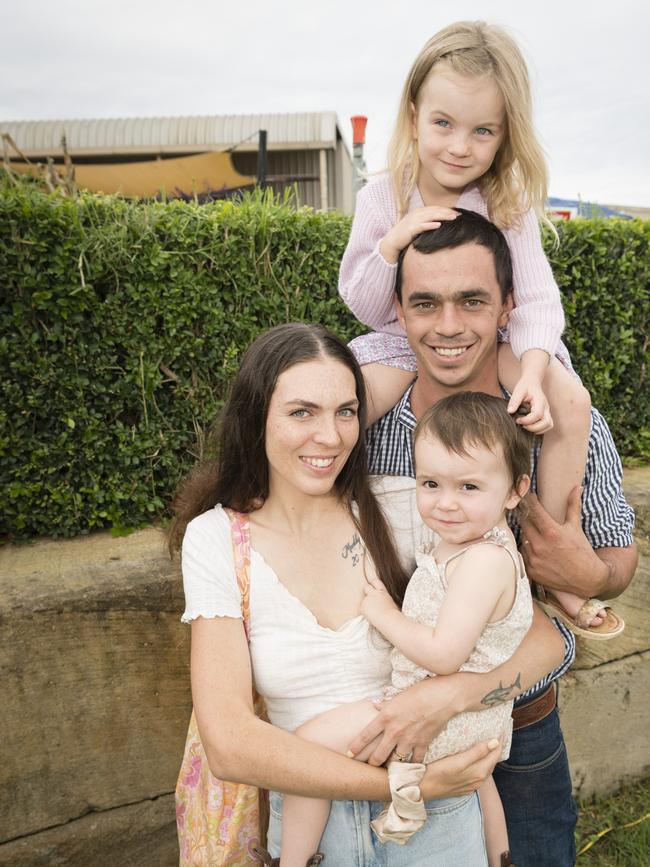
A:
(377, 602)
(412, 224)
(461, 773)
(409, 722)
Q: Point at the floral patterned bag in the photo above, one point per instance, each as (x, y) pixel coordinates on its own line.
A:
(219, 822)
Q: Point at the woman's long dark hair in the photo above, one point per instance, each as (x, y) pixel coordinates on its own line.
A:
(238, 476)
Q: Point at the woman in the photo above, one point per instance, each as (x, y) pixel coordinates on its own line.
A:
(292, 456)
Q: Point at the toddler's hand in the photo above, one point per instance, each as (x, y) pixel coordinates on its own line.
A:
(376, 601)
(414, 223)
(529, 391)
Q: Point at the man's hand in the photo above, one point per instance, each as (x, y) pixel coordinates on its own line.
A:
(559, 556)
(409, 722)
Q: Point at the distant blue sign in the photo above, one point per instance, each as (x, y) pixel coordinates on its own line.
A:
(569, 208)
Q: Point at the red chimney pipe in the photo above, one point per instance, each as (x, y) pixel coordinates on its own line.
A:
(359, 122)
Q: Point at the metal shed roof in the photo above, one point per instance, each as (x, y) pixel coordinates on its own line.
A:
(300, 131)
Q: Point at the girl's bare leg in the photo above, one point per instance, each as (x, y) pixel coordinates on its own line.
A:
(563, 456)
(385, 386)
(304, 819)
(494, 822)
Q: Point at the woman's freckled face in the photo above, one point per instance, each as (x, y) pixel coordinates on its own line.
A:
(312, 426)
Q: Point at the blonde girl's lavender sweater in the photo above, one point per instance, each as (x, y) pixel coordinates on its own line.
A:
(367, 281)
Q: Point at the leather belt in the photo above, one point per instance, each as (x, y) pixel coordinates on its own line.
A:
(533, 711)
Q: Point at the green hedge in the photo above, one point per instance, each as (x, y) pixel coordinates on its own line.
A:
(121, 324)
(603, 270)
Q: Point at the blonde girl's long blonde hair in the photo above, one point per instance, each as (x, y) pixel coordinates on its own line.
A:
(518, 178)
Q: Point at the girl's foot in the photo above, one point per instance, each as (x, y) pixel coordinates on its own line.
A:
(590, 619)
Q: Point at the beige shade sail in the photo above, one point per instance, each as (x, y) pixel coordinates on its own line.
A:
(203, 173)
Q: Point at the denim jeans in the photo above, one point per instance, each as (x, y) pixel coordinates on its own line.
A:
(535, 788)
(452, 836)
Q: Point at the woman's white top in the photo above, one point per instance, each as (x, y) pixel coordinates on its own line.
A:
(300, 667)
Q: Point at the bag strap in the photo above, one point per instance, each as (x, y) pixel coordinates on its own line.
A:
(241, 548)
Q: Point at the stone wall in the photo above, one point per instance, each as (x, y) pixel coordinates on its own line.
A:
(96, 699)
(605, 698)
(96, 702)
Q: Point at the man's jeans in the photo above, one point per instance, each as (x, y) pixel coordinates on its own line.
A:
(535, 788)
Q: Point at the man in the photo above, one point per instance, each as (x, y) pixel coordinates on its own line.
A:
(453, 293)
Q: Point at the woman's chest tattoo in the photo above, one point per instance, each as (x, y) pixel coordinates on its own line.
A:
(353, 549)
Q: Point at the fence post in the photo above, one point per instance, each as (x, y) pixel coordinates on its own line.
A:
(261, 159)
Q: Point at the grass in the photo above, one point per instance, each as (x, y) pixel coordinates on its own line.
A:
(621, 846)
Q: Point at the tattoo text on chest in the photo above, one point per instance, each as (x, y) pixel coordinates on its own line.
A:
(501, 693)
(353, 549)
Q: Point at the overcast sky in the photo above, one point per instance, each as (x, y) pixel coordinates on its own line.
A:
(108, 58)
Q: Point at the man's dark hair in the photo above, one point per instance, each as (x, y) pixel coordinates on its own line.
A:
(468, 228)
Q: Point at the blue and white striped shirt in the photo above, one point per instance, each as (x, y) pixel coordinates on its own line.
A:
(607, 519)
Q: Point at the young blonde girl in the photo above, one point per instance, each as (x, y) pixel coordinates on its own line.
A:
(464, 137)
(467, 607)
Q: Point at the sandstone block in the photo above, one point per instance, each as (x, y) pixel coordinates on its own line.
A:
(95, 678)
(137, 835)
(604, 713)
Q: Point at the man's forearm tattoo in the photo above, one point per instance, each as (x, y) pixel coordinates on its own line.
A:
(501, 693)
(353, 549)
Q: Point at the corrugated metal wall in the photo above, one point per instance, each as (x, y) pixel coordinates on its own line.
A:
(301, 167)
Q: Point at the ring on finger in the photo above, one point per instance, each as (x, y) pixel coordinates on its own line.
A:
(405, 758)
